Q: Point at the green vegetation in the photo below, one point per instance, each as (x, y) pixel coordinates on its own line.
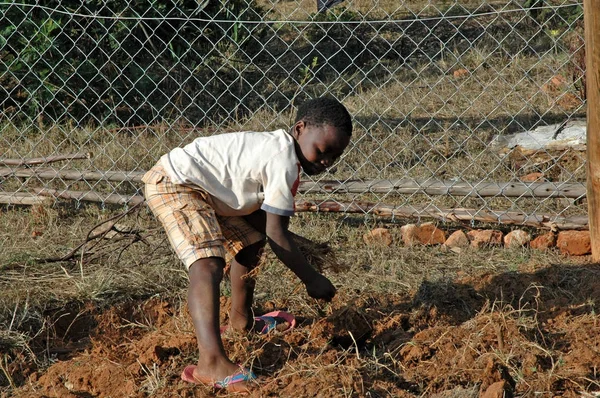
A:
(125, 65)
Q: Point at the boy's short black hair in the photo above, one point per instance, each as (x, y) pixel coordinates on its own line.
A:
(325, 110)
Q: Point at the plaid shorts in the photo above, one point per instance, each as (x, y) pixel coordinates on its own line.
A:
(194, 230)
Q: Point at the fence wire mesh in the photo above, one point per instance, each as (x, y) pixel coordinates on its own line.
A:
(466, 107)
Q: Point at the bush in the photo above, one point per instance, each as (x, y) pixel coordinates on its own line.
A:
(129, 64)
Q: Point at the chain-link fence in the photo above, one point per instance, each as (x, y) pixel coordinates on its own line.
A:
(462, 110)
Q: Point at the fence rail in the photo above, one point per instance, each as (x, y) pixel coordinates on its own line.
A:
(432, 87)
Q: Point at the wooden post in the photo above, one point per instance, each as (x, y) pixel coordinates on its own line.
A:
(591, 11)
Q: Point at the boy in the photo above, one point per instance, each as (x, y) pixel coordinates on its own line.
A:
(207, 195)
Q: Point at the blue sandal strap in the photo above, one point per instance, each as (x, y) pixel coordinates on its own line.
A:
(242, 375)
(270, 323)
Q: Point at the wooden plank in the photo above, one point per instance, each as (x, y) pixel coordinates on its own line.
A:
(591, 11)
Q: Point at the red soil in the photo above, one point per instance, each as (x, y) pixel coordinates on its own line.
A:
(521, 333)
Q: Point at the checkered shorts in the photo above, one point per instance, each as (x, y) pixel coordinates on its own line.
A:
(194, 230)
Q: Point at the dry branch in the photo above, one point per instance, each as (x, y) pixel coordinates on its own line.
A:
(516, 189)
(44, 160)
(104, 227)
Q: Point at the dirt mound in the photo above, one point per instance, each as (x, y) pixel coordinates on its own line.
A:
(520, 334)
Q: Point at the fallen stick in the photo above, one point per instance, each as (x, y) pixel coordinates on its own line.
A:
(511, 189)
(44, 160)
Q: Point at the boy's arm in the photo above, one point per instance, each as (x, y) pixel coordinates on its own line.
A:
(284, 247)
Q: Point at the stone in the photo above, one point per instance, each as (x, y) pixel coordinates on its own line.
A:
(485, 237)
(574, 243)
(378, 236)
(460, 73)
(544, 242)
(533, 177)
(408, 234)
(458, 239)
(517, 238)
(429, 234)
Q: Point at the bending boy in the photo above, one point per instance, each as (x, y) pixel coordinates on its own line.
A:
(208, 197)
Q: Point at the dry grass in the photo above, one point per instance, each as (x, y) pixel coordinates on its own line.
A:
(370, 275)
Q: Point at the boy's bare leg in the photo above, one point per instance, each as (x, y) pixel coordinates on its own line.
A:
(242, 286)
(203, 304)
(242, 290)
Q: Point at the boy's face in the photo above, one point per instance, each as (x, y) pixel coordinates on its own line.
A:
(318, 147)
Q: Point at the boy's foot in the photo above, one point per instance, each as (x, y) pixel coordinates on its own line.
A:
(237, 382)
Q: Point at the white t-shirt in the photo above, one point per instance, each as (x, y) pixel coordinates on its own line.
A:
(238, 170)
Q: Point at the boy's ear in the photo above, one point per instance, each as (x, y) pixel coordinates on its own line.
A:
(299, 128)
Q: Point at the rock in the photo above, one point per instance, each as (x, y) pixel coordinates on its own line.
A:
(569, 101)
(425, 234)
(460, 73)
(543, 242)
(517, 238)
(378, 236)
(429, 234)
(485, 237)
(574, 243)
(532, 177)
(560, 136)
(457, 239)
(408, 234)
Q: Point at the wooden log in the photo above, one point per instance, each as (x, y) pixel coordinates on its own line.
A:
(452, 188)
(90, 196)
(44, 160)
(541, 221)
(591, 11)
(73, 175)
(516, 189)
(24, 199)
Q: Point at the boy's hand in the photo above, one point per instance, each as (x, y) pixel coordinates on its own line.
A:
(320, 288)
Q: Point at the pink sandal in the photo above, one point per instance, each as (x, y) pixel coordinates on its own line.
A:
(270, 321)
(243, 375)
